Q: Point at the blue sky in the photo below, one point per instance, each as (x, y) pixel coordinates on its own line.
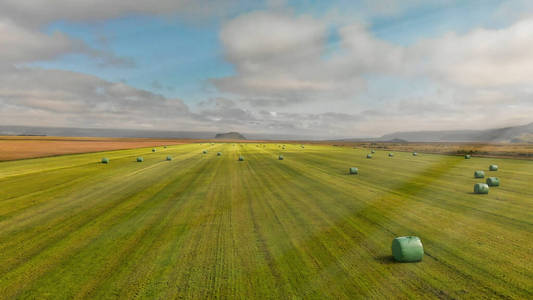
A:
(268, 66)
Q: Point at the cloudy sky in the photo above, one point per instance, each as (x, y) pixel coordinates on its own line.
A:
(305, 68)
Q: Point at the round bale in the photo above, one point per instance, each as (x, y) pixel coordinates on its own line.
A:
(105, 160)
(153, 149)
(391, 154)
(493, 168)
(373, 151)
(169, 157)
(479, 174)
(468, 156)
(219, 153)
(280, 157)
(493, 181)
(140, 159)
(369, 155)
(407, 249)
(204, 152)
(481, 188)
(354, 170)
(415, 154)
(241, 158)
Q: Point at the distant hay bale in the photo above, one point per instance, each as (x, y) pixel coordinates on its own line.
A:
(105, 160)
(165, 147)
(391, 154)
(369, 155)
(204, 152)
(280, 157)
(493, 168)
(479, 174)
(140, 159)
(468, 156)
(354, 170)
(415, 154)
(153, 149)
(241, 158)
(481, 188)
(493, 181)
(407, 249)
(169, 157)
(372, 151)
(219, 153)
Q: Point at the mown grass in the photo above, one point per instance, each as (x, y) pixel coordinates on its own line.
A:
(207, 226)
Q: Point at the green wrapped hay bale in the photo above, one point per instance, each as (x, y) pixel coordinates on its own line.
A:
(219, 153)
(493, 168)
(241, 158)
(481, 188)
(407, 249)
(153, 149)
(105, 160)
(169, 157)
(479, 174)
(140, 159)
(415, 154)
(354, 170)
(165, 147)
(280, 157)
(493, 181)
(391, 154)
(468, 156)
(204, 152)
(373, 151)
(369, 156)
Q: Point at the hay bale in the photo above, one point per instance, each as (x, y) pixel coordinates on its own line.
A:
(415, 154)
(493, 181)
(479, 174)
(468, 156)
(165, 147)
(280, 157)
(105, 160)
(153, 149)
(354, 170)
(241, 158)
(140, 159)
(369, 155)
(219, 153)
(407, 249)
(204, 152)
(391, 154)
(169, 157)
(372, 151)
(481, 188)
(493, 168)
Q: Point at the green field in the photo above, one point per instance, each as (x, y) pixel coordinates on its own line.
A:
(207, 226)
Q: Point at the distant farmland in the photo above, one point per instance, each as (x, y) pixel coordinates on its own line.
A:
(207, 226)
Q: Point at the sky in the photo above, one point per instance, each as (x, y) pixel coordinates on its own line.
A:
(317, 69)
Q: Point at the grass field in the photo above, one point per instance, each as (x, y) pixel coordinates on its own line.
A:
(207, 226)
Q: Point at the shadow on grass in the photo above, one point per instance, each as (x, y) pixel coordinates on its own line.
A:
(385, 259)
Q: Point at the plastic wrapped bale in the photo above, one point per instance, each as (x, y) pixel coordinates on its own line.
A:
(219, 153)
(468, 156)
(354, 170)
(153, 150)
(415, 154)
(169, 157)
(391, 154)
(407, 249)
(479, 174)
(493, 181)
(481, 188)
(165, 147)
(241, 158)
(105, 160)
(140, 159)
(493, 168)
(373, 151)
(204, 152)
(369, 156)
(280, 157)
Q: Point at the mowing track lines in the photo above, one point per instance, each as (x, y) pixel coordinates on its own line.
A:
(48, 252)
(303, 172)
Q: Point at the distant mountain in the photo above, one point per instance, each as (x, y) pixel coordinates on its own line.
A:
(517, 134)
(230, 136)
